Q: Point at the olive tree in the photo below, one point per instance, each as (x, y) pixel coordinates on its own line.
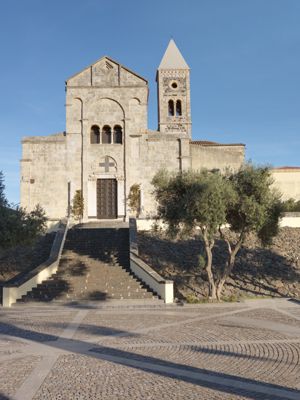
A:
(244, 201)
(256, 208)
(194, 200)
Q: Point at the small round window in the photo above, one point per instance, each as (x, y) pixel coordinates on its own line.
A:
(174, 85)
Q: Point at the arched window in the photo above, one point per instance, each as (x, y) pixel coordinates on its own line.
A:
(106, 134)
(178, 108)
(95, 134)
(117, 134)
(171, 108)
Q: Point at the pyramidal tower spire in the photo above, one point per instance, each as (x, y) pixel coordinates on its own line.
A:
(172, 58)
(173, 86)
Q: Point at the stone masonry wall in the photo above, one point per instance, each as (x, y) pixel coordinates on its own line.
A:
(43, 177)
(149, 153)
(287, 181)
(216, 156)
(104, 94)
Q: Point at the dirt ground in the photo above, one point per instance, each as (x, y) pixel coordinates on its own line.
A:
(259, 272)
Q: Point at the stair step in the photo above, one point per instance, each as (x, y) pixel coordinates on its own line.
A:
(94, 266)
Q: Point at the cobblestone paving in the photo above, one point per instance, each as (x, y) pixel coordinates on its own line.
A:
(21, 367)
(237, 351)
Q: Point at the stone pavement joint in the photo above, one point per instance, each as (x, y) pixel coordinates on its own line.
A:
(36, 378)
(38, 375)
(226, 352)
(243, 385)
(288, 330)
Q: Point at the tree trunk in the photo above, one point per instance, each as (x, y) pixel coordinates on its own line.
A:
(212, 293)
(227, 270)
(229, 264)
(211, 281)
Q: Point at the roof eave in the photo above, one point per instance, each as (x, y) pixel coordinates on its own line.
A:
(110, 59)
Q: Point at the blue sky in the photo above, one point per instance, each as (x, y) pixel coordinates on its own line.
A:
(244, 57)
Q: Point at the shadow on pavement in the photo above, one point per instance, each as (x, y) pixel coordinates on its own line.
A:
(248, 388)
(4, 397)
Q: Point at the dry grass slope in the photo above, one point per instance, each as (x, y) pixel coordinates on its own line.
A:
(273, 271)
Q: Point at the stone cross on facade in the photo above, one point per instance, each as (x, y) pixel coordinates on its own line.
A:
(107, 164)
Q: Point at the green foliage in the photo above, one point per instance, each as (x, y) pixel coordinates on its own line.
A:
(35, 221)
(3, 200)
(256, 208)
(193, 299)
(291, 205)
(270, 227)
(156, 228)
(78, 205)
(134, 198)
(201, 261)
(244, 200)
(19, 227)
(233, 298)
(193, 199)
(16, 225)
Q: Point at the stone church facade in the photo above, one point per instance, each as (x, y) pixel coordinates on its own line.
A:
(107, 146)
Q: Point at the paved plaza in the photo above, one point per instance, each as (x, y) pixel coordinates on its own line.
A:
(248, 350)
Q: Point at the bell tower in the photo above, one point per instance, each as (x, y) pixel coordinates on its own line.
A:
(173, 88)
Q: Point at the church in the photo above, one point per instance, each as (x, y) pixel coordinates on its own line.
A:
(107, 147)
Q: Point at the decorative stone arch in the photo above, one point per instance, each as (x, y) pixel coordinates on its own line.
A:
(116, 102)
(135, 101)
(178, 108)
(105, 111)
(95, 134)
(135, 110)
(171, 108)
(118, 134)
(74, 115)
(106, 134)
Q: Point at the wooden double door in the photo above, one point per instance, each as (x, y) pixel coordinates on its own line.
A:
(107, 198)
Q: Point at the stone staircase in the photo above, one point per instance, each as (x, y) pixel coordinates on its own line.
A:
(94, 266)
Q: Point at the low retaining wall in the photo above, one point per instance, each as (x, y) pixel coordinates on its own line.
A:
(164, 288)
(159, 285)
(291, 219)
(18, 286)
(147, 224)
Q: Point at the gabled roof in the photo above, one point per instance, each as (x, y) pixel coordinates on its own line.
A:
(172, 58)
(109, 59)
